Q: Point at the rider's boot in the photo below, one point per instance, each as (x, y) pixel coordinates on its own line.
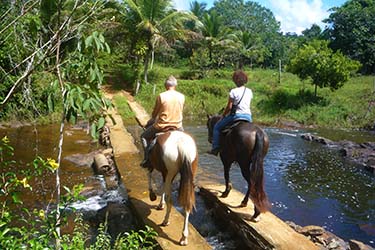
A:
(146, 149)
(214, 151)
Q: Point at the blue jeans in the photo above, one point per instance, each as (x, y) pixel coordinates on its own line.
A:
(224, 122)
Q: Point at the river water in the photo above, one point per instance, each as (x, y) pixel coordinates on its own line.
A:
(307, 183)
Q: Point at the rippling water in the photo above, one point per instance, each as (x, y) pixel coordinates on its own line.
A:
(307, 183)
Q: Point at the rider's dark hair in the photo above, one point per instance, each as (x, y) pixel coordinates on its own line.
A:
(239, 78)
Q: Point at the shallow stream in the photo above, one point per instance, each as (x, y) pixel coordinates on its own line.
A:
(307, 183)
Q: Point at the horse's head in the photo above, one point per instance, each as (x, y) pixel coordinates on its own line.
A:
(211, 121)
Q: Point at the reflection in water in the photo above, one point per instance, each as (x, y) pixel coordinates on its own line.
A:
(30, 142)
(309, 184)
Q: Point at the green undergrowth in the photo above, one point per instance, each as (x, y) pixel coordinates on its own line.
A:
(352, 106)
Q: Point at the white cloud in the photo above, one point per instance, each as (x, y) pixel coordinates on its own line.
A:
(298, 15)
(181, 4)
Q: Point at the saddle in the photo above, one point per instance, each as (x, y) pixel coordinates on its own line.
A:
(166, 130)
(229, 127)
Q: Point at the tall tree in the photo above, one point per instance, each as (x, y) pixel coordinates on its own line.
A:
(198, 9)
(156, 23)
(351, 29)
(314, 32)
(253, 18)
(216, 34)
(249, 47)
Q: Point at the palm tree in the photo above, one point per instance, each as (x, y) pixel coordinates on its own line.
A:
(198, 9)
(216, 34)
(249, 46)
(157, 23)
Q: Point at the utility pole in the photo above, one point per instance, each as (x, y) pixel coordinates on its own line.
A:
(279, 71)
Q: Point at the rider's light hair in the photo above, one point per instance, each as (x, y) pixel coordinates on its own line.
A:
(239, 78)
(171, 81)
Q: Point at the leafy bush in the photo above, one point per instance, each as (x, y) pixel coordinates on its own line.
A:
(36, 229)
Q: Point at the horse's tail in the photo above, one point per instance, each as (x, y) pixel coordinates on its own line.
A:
(186, 194)
(257, 192)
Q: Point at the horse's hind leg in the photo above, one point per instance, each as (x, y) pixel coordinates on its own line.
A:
(185, 232)
(152, 194)
(255, 217)
(162, 202)
(228, 184)
(246, 174)
(168, 199)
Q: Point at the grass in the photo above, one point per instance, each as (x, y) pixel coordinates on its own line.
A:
(352, 106)
(123, 109)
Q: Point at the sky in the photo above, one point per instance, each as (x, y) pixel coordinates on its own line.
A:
(293, 15)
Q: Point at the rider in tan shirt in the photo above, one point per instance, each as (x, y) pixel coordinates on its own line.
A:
(166, 115)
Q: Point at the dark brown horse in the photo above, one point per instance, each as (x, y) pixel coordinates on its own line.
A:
(246, 144)
(175, 152)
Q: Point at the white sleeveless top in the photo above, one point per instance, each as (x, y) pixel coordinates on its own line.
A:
(236, 94)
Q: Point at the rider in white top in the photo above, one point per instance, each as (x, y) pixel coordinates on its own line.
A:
(238, 108)
(243, 103)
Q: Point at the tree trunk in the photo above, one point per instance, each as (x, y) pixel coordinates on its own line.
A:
(152, 56)
(146, 68)
(58, 187)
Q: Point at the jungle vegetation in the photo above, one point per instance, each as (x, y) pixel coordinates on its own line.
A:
(56, 56)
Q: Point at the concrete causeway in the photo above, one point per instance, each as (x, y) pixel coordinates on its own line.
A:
(269, 233)
(135, 181)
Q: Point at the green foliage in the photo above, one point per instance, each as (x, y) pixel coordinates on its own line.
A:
(274, 102)
(36, 228)
(78, 239)
(351, 29)
(154, 24)
(325, 68)
(251, 17)
(282, 100)
(143, 239)
(83, 78)
(37, 231)
(314, 32)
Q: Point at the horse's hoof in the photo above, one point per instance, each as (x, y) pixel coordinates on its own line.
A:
(152, 196)
(165, 223)
(183, 241)
(243, 204)
(160, 207)
(255, 219)
(224, 195)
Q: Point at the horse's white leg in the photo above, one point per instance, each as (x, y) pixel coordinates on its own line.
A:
(185, 232)
(162, 202)
(152, 194)
(168, 197)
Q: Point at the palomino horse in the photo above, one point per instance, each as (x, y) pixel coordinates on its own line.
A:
(246, 144)
(175, 152)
